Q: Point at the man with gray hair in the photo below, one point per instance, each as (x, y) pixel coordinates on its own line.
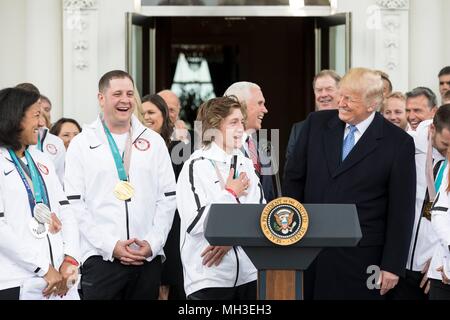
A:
(325, 86)
(421, 104)
(250, 94)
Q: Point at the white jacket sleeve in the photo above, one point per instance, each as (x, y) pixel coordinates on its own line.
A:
(60, 162)
(12, 247)
(440, 217)
(69, 230)
(192, 200)
(165, 203)
(75, 189)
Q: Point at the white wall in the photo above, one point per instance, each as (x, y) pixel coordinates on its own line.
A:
(32, 47)
(105, 37)
(44, 50)
(12, 34)
(362, 33)
(428, 42)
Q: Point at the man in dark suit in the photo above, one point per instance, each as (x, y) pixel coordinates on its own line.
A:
(353, 155)
(325, 85)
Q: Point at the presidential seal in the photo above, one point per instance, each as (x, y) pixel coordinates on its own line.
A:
(284, 221)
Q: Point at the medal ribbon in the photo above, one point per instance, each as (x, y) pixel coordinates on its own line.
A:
(121, 170)
(432, 184)
(439, 177)
(39, 195)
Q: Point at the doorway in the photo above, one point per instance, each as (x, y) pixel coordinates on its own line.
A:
(280, 54)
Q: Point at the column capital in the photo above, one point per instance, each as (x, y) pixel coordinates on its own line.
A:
(393, 4)
(77, 5)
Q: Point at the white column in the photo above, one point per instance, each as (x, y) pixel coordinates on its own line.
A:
(428, 42)
(392, 42)
(43, 52)
(112, 28)
(363, 30)
(80, 48)
(94, 43)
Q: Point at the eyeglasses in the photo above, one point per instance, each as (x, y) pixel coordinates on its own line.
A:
(348, 99)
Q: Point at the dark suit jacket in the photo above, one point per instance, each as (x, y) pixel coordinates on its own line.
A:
(378, 176)
(293, 137)
(267, 180)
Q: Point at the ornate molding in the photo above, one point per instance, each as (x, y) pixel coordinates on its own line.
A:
(393, 4)
(81, 45)
(77, 5)
(78, 18)
(391, 43)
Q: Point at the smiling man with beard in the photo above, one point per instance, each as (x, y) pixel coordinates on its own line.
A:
(120, 181)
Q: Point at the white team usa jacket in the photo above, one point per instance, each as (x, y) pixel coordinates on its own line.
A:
(198, 187)
(440, 221)
(91, 176)
(22, 256)
(54, 148)
(424, 240)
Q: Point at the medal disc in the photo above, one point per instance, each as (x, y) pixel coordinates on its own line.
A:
(38, 230)
(42, 213)
(123, 190)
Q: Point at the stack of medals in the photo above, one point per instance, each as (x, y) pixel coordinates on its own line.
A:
(41, 214)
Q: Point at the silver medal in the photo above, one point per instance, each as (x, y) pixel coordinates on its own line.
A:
(38, 230)
(42, 213)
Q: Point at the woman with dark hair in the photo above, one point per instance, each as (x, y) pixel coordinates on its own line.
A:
(38, 233)
(217, 173)
(66, 129)
(155, 114)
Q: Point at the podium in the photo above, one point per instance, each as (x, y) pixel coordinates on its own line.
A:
(280, 268)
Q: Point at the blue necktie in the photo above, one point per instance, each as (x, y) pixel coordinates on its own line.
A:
(349, 142)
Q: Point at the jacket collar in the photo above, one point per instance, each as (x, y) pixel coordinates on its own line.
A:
(137, 129)
(333, 141)
(215, 153)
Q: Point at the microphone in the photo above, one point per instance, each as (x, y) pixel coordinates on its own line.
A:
(233, 165)
(269, 155)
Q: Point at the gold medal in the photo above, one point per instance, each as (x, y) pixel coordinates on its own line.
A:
(124, 190)
(426, 212)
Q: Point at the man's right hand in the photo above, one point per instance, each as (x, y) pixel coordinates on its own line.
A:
(125, 256)
(53, 278)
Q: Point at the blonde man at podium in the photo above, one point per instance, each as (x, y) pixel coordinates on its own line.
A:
(217, 173)
(354, 155)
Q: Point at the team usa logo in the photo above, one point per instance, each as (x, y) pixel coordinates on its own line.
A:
(284, 221)
(42, 168)
(142, 144)
(51, 148)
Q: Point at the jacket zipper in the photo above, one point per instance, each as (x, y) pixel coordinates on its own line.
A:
(127, 219)
(237, 266)
(51, 251)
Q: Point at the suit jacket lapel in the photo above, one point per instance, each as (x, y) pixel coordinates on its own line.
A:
(332, 141)
(366, 144)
